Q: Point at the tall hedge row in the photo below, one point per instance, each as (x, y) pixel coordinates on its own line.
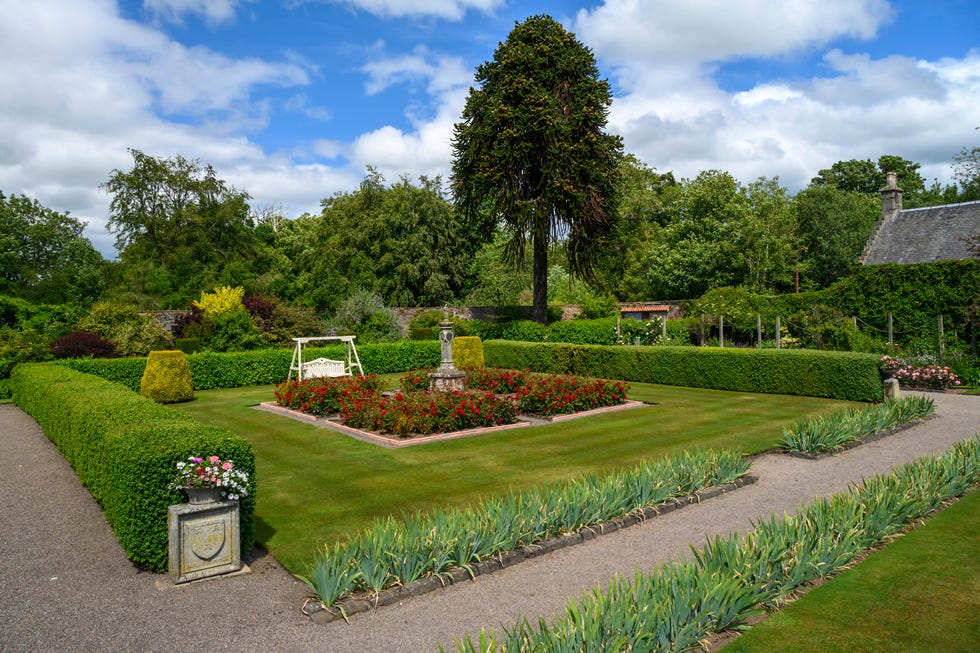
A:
(210, 370)
(837, 375)
(124, 449)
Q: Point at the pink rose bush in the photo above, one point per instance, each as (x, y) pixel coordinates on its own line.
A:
(935, 377)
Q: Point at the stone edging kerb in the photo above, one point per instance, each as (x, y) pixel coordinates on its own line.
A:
(343, 609)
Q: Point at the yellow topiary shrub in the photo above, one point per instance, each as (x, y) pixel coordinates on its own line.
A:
(467, 352)
(167, 378)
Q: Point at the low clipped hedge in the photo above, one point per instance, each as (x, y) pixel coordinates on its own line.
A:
(124, 448)
(211, 370)
(835, 375)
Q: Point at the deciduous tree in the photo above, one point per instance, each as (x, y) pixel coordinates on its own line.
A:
(180, 229)
(43, 255)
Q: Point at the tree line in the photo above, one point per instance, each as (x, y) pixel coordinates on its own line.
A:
(181, 230)
(533, 171)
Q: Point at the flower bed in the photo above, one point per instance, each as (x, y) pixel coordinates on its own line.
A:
(495, 397)
(934, 377)
(424, 412)
(324, 396)
(559, 395)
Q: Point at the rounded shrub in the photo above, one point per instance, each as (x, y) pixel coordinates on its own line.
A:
(167, 378)
(81, 344)
(468, 352)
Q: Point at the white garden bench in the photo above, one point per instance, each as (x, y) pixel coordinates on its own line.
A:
(324, 367)
(321, 367)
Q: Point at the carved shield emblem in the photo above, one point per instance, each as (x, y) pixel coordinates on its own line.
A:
(206, 538)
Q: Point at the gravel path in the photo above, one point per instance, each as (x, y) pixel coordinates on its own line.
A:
(66, 585)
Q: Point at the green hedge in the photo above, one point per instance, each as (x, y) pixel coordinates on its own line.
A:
(600, 331)
(837, 375)
(124, 449)
(211, 370)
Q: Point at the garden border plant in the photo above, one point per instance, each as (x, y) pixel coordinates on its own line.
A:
(211, 370)
(816, 436)
(398, 553)
(735, 577)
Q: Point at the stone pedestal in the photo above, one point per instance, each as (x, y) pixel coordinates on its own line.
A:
(892, 392)
(204, 540)
(447, 380)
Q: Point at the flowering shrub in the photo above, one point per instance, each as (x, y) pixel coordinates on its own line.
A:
(224, 299)
(414, 381)
(556, 395)
(488, 379)
(323, 396)
(924, 376)
(496, 380)
(425, 412)
(211, 471)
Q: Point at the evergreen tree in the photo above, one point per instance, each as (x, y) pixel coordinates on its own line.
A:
(531, 152)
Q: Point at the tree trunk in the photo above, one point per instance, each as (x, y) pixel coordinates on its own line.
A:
(539, 309)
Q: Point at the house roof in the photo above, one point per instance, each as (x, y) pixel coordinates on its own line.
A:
(925, 235)
(644, 308)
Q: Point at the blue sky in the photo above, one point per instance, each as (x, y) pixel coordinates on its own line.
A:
(290, 100)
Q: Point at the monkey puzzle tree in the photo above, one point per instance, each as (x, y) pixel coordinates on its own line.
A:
(531, 153)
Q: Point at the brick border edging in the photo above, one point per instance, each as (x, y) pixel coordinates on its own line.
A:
(319, 614)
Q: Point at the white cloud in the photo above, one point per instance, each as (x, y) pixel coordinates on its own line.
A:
(658, 31)
(673, 114)
(426, 149)
(300, 103)
(447, 9)
(328, 149)
(440, 73)
(213, 11)
(296, 188)
(765, 93)
(90, 84)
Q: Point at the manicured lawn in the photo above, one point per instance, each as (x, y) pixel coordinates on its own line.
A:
(316, 485)
(920, 593)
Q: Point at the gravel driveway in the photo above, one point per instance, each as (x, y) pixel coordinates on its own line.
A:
(66, 585)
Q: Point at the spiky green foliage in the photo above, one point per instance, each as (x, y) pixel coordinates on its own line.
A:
(674, 609)
(397, 552)
(828, 432)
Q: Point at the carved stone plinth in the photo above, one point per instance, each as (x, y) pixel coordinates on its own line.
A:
(447, 381)
(204, 540)
(891, 390)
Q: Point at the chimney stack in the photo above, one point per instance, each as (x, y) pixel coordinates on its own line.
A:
(891, 196)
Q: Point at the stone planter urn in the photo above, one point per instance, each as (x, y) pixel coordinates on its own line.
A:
(201, 495)
(888, 372)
